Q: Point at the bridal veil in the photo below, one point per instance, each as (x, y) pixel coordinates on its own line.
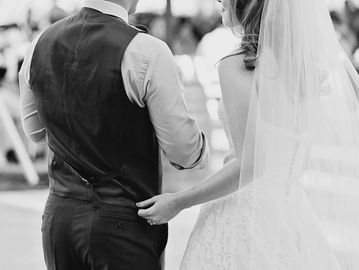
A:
(301, 150)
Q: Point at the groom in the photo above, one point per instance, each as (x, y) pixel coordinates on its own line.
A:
(107, 98)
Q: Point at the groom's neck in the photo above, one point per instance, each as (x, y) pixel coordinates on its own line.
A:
(124, 3)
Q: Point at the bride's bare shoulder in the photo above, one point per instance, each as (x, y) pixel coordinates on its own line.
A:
(236, 85)
(233, 74)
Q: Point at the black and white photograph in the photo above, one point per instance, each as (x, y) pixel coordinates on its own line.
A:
(179, 134)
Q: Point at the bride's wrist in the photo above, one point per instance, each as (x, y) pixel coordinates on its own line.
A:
(181, 201)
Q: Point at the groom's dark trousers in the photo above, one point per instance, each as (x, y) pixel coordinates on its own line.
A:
(104, 155)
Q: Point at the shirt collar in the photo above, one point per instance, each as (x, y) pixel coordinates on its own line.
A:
(107, 7)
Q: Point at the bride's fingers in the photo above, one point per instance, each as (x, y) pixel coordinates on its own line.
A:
(145, 213)
(146, 203)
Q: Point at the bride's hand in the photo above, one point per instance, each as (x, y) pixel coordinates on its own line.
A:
(159, 209)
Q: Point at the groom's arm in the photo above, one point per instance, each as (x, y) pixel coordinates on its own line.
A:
(151, 79)
(31, 123)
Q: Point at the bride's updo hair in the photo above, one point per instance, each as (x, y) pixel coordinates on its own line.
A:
(245, 18)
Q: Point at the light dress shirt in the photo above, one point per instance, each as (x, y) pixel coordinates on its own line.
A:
(151, 79)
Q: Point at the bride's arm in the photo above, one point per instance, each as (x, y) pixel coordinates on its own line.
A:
(236, 84)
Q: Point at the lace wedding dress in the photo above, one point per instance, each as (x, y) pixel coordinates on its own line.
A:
(219, 221)
(222, 238)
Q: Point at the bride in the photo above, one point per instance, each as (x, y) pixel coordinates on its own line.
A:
(287, 195)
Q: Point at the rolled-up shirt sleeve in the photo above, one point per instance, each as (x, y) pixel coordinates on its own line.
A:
(31, 123)
(179, 137)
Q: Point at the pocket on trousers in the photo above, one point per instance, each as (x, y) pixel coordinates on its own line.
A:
(115, 218)
(123, 224)
(47, 217)
(48, 212)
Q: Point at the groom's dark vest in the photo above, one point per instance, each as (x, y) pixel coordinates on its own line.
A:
(95, 133)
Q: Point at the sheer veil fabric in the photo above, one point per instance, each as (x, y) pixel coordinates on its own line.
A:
(301, 152)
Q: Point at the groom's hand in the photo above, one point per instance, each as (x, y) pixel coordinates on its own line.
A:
(159, 209)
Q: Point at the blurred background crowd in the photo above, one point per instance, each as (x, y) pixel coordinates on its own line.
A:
(192, 29)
